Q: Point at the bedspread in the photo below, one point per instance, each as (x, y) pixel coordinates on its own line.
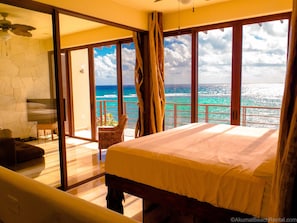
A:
(225, 165)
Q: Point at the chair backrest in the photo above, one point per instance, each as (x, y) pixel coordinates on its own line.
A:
(122, 122)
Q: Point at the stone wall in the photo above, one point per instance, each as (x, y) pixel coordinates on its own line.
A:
(24, 73)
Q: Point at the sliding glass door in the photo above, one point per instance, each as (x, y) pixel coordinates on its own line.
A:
(263, 72)
(130, 100)
(177, 57)
(106, 87)
(28, 111)
(214, 75)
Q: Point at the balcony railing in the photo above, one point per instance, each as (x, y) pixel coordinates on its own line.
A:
(178, 114)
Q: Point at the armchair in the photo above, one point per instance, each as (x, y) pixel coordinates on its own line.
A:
(108, 136)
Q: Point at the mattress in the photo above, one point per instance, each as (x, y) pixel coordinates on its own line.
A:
(225, 165)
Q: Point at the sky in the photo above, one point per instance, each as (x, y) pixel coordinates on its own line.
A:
(264, 57)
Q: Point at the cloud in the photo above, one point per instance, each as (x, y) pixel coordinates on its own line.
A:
(105, 66)
(215, 56)
(264, 52)
(264, 56)
(177, 59)
(128, 64)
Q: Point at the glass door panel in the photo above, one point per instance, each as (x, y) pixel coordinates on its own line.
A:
(82, 153)
(66, 93)
(28, 111)
(106, 85)
(214, 75)
(129, 93)
(264, 61)
(177, 55)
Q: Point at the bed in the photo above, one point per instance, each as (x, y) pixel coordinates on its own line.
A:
(198, 171)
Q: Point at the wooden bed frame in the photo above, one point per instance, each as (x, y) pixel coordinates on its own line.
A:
(163, 206)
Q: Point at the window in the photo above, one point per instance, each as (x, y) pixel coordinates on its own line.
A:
(214, 75)
(129, 93)
(263, 71)
(106, 85)
(257, 77)
(177, 54)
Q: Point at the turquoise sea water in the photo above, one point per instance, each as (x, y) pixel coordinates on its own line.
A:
(178, 98)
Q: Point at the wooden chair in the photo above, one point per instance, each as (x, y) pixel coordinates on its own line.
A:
(109, 135)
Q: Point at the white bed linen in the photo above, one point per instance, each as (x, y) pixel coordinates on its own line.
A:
(219, 164)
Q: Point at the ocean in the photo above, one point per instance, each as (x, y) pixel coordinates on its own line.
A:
(260, 104)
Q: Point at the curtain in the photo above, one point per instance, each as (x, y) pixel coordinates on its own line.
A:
(156, 48)
(138, 81)
(284, 188)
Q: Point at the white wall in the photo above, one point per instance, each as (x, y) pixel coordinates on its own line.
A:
(24, 73)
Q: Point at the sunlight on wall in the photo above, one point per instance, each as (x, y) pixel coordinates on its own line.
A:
(80, 89)
(105, 33)
(221, 12)
(226, 11)
(103, 9)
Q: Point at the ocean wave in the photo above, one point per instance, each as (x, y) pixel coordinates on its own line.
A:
(135, 96)
(177, 94)
(107, 96)
(218, 95)
(130, 96)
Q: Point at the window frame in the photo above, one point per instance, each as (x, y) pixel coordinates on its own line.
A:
(237, 27)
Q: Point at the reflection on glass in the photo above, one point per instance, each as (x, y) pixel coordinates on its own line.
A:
(66, 94)
(263, 72)
(27, 99)
(42, 111)
(214, 75)
(82, 154)
(177, 55)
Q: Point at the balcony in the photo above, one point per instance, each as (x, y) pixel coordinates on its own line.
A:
(178, 114)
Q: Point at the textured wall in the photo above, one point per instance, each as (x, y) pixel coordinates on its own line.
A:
(24, 73)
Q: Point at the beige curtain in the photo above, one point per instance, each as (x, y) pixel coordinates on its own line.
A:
(284, 188)
(156, 47)
(138, 81)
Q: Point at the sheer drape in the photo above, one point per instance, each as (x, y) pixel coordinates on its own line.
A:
(284, 187)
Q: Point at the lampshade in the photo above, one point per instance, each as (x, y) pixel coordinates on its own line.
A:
(4, 35)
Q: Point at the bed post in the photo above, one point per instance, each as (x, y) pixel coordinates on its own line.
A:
(114, 200)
